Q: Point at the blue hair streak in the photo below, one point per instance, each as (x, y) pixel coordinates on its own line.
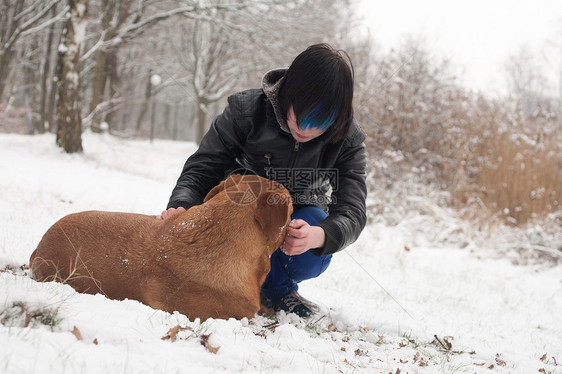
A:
(311, 120)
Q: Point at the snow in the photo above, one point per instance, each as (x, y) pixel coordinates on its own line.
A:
(383, 300)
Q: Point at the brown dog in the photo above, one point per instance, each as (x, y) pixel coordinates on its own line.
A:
(207, 262)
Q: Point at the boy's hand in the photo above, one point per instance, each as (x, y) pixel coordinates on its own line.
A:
(301, 237)
(167, 213)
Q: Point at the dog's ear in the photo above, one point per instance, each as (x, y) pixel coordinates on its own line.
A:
(218, 188)
(273, 213)
(231, 180)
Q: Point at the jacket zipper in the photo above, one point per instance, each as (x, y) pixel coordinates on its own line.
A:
(268, 167)
(294, 155)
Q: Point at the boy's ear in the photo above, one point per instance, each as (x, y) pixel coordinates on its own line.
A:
(273, 213)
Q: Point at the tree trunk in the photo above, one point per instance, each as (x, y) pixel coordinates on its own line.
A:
(98, 89)
(10, 25)
(69, 121)
(113, 80)
(45, 77)
(201, 120)
(145, 102)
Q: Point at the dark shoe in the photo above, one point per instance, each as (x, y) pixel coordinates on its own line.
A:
(292, 303)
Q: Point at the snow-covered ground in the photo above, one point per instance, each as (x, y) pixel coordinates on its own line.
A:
(424, 294)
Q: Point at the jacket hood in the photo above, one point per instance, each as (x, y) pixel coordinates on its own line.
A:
(271, 83)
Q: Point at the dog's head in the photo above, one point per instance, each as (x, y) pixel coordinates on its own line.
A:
(272, 201)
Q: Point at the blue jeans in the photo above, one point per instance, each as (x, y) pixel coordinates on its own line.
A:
(287, 271)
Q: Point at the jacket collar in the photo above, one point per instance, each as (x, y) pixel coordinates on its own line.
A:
(271, 83)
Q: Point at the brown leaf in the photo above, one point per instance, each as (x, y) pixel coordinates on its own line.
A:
(406, 248)
(499, 361)
(172, 333)
(205, 343)
(95, 341)
(543, 357)
(479, 364)
(359, 352)
(77, 333)
(449, 344)
(398, 371)
(416, 357)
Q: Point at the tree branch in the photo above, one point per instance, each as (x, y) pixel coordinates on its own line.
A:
(27, 25)
(57, 18)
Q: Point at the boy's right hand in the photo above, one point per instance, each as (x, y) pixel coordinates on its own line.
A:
(169, 212)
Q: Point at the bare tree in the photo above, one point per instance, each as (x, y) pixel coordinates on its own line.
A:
(19, 18)
(218, 53)
(69, 117)
(527, 84)
(212, 71)
(46, 105)
(123, 21)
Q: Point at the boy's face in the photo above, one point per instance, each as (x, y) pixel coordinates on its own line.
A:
(300, 135)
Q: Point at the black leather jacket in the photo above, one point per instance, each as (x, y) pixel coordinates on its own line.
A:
(248, 136)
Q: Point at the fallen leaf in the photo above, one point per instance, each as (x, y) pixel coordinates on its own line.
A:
(543, 357)
(448, 342)
(479, 364)
(499, 361)
(406, 248)
(343, 349)
(95, 341)
(205, 343)
(359, 352)
(172, 333)
(77, 333)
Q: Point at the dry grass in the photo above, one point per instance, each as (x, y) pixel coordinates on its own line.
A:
(512, 167)
(489, 157)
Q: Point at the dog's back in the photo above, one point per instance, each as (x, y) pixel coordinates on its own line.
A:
(95, 252)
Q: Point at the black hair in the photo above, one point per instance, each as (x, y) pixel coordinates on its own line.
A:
(319, 87)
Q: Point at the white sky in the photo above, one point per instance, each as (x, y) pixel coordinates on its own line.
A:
(477, 36)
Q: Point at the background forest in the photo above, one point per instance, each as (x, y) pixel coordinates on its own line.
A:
(163, 69)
